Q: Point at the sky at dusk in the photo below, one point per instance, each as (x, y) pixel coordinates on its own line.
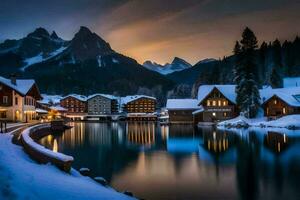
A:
(156, 30)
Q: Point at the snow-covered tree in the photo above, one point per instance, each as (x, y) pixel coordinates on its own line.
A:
(246, 76)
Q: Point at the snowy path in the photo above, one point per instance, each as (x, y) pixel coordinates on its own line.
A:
(22, 178)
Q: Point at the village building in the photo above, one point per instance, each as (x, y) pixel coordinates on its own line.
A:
(181, 110)
(218, 103)
(102, 104)
(139, 108)
(280, 102)
(138, 104)
(18, 99)
(76, 106)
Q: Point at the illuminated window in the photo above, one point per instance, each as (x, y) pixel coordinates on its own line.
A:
(208, 103)
(225, 114)
(224, 103)
(214, 103)
(283, 110)
(219, 103)
(275, 101)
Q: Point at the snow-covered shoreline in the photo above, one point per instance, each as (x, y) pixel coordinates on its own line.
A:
(288, 122)
(22, 178)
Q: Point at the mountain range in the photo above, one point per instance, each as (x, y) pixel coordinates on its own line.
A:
(88, 64)
(178, 64)
(85, 64)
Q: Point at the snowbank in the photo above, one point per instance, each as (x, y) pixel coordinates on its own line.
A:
(21, 178)
(29, 141)
(289, 122)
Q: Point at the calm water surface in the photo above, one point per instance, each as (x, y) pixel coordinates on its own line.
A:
(182, 162)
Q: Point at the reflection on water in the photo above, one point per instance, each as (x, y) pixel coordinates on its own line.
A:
(181, 162)
(276, 141)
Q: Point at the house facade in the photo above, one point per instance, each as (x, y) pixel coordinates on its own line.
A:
(102, 104)
(218, 103)
(181, 110)
(76, 105)
(18, 99)
(280, 102)
(139, 104)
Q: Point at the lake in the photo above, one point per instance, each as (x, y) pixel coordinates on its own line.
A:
(182, 162)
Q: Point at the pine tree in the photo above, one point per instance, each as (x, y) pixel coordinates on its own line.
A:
(275, 79)
(246, 74)
(237, 68)
(277, 57)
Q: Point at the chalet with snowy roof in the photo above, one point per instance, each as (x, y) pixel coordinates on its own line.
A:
(291, 82)
(218, 103)
(18, 99)
(102, 104)
(75, 104)
(281, 101)
(180, 110)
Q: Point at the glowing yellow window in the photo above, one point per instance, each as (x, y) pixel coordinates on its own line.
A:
(219, 103)
(208, 103)
(275, 101)
(214, 103)
(284, 110)
(224, 103)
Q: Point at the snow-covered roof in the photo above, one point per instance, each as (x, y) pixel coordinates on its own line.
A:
(200, 110)
(227, 90)
(127, 99)
(108, 96)
(38, 110)
(182, 104)
(76, 96)
(58, 108)
(55, 99)
(291, 82)
(290, 95)
(22, 86)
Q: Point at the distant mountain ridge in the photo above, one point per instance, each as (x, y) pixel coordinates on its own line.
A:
(178, 64)
(85, 65)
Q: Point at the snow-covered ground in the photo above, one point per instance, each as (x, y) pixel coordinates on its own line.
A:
(289, 121)
(22, 178)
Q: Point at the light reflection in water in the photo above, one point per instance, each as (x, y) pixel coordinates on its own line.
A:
(180, 162)
(55, 146)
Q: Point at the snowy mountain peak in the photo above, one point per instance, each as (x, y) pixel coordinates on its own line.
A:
(178, 64)
(180, 61)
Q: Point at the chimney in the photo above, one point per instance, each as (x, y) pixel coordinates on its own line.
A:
(13, 79)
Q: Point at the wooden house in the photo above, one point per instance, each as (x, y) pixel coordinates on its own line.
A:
(138, 104)
(280, 102)
(76, 105)
(217, 102)
(18, 99)
(181, 110)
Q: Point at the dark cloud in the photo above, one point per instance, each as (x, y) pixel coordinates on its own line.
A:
(159, 30)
